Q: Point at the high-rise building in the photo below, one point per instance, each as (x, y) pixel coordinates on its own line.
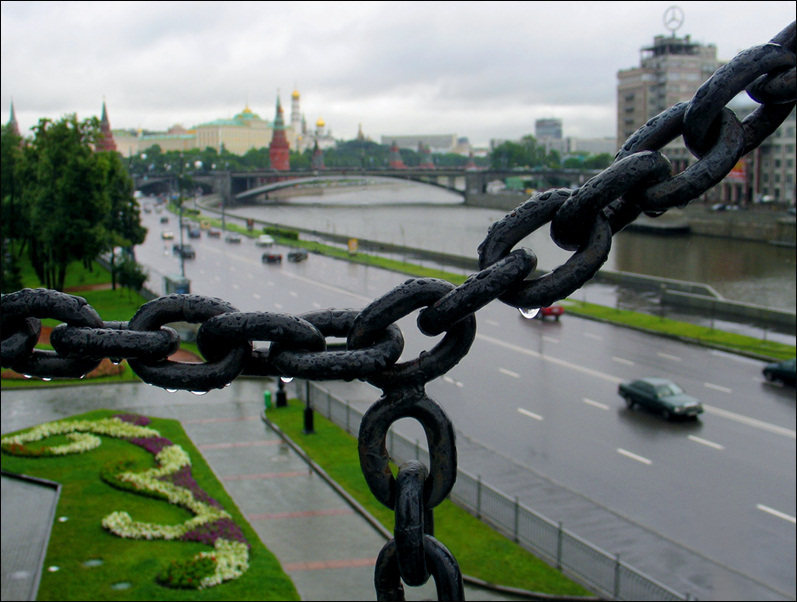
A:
(670, 71)
(548, 128)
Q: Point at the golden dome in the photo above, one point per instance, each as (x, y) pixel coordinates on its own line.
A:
(295, 94)
(320, 123)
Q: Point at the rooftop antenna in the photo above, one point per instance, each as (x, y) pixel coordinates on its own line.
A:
(673, 19)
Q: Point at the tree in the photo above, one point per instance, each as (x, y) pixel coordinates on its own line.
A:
(131, 275)
(12, 223)
(63, 197)
(123, 220)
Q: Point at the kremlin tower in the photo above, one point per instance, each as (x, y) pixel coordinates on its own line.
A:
(12, 122)
(395, 161)
(278, 149)
(426, 156)
(318, 157)
(106, 142)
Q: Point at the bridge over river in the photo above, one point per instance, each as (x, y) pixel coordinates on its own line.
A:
(254, 186)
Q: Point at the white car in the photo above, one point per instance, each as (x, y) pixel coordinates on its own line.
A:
(264, 240)
(167, 235)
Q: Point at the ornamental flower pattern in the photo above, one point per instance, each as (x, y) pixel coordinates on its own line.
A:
(171, 477)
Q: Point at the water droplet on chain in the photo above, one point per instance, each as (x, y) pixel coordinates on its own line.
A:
(199, 392)
(286, 379)
(529, 313)
(171, 390)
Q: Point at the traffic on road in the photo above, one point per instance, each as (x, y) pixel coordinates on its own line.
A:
(544, 394)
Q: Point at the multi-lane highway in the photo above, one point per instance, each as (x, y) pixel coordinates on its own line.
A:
(545, 395)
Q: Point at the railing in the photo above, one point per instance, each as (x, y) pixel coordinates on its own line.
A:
(602, 573)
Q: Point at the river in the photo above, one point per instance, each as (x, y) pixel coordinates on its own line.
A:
(420, 216)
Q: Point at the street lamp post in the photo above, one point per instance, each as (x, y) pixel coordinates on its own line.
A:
(180, 203)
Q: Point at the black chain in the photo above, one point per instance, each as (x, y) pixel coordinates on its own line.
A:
(582, 220)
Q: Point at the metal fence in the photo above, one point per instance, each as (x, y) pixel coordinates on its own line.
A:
(599, 571)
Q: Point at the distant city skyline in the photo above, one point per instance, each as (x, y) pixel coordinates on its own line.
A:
(475, 70)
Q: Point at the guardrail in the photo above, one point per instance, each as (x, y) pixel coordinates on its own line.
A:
(604, 574)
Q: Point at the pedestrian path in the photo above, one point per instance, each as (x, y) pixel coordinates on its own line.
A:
(326, 547)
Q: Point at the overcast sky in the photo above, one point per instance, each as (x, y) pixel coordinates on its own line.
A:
(477, 69)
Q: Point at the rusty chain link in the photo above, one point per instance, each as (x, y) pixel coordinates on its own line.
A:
(583, 220)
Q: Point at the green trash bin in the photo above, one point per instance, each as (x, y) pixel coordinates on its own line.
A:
(267, 399)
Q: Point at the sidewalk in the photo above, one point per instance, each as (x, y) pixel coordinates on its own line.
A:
(326, 547)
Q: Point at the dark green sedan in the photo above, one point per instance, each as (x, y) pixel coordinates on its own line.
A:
(660, 395)
(783, 372)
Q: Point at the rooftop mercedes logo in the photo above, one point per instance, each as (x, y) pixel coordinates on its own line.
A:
(673, 18)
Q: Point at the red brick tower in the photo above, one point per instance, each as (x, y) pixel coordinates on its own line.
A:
(395, 161)
(278, 150)
(426, 156)
(106, 142)
(318, 157)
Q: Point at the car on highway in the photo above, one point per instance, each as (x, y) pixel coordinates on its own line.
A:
(186, 251)
(167, 235)
(297, 256)
(233, 238)
(164, 220)
(271, 258)
(194, 233)
(660, 395)
(552, 311)
(214, 233)
(264, 240)
(780, 372)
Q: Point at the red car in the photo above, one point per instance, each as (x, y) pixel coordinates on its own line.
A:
(552, 311)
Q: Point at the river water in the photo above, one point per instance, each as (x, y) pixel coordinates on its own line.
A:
(420, 216)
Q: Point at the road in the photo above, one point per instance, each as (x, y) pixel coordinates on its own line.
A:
(545, 395)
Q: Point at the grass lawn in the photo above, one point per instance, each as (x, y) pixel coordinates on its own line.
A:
(480, 550)
(86, 499)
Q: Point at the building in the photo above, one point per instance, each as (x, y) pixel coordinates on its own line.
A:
(548, 128)
(245, 131)
(437, 143)
(670, 71)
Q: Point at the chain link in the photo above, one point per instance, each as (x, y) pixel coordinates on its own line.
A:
(639, 181)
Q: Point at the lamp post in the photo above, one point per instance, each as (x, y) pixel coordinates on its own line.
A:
(225, 192)
(180, 204)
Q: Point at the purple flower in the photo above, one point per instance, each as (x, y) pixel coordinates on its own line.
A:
(136, 419)
(208, 533)
(153, 445)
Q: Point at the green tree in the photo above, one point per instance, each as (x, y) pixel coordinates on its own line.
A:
(131, 275)
(13, 226)
(63, 197)
(123, 220)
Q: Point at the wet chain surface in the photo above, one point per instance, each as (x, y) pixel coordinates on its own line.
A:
(582, 220)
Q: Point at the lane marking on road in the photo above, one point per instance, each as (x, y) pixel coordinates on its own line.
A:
(278, 306)
(293, 294)
(772, 428)
(621, 360)
(596, 337)
(529, 414)
(633, 456)
(550, 339)
(236, 287)
(548, 358)
(492, 323)
(667, 356)
(706, 442)
(509, 373)
(256, 296)
(451, 381)
(717, 387)
(735, 357)
(596, 404)
(777, 513)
